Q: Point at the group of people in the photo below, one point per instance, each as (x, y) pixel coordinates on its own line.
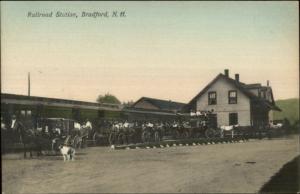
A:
(148, 124)
(57, 129)
(86, 124)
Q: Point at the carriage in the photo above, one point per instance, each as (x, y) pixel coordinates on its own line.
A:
(43, 134)
(200, 125)
(59, 131)
(114, 132)
(120, 132)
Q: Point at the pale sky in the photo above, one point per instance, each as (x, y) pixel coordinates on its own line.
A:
(167, 50)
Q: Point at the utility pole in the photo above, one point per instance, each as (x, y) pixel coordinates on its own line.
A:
(28, 83)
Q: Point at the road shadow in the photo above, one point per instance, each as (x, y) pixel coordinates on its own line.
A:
(44, 156)
(286, 180)
(80, 154)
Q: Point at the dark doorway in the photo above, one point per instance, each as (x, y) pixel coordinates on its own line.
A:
(233, 118)
(213, 121)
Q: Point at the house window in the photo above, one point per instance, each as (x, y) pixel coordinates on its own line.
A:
(212, 98)
(232, 97)
(233, 119)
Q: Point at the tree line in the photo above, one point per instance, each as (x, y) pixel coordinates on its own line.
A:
(112, 99)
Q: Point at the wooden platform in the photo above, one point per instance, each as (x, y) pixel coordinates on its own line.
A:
(181, 142)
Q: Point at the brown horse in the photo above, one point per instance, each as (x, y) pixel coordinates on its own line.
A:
(28, 137)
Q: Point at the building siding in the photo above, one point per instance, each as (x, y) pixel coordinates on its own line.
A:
(222, 108)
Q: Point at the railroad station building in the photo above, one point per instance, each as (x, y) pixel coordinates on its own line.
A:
(234, 102)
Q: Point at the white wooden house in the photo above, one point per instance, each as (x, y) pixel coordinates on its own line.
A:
(234, 102)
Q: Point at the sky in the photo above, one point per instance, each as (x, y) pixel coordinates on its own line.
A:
(166, 50)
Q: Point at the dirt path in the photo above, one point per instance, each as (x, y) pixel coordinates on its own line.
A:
(226, 168)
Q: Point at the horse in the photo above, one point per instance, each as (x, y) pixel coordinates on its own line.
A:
(275, 129)
(27, 137)
(275, 126)
(228, 128)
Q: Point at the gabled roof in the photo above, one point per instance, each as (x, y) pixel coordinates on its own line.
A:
(252, 86)
(241, 86)
(166, 105)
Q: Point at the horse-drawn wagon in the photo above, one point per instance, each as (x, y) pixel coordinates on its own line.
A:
(115, 132)
(62, 131)
(201, 125)
(45, 134)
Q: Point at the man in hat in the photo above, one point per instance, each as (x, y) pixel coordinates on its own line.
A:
(13, 122)
(13, 131)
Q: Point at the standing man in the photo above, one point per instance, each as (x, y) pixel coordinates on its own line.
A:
(13, 122)
(13, 135)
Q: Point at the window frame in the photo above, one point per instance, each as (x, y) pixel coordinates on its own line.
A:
(209, 99)
(229, 97)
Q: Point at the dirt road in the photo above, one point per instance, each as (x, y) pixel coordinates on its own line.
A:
(226, 168)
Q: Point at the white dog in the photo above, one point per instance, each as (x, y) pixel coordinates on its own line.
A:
(68, 152)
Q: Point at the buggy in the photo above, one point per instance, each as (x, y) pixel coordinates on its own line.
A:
(58, 131)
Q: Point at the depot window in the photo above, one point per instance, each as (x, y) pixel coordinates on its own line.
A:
(232, 97)
(212, 98)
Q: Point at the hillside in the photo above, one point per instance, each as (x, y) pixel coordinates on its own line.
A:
(290, 109)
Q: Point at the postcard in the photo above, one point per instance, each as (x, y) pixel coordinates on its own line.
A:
(149, 96)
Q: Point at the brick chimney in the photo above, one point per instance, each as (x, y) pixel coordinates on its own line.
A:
(237, 77)
(226, 72)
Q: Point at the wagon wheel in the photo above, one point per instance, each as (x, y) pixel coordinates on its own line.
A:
(210, 133)
(186, 134)
(112, 138)
(156, 136)
(76, 142)
(145, 136)
(177, 134)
